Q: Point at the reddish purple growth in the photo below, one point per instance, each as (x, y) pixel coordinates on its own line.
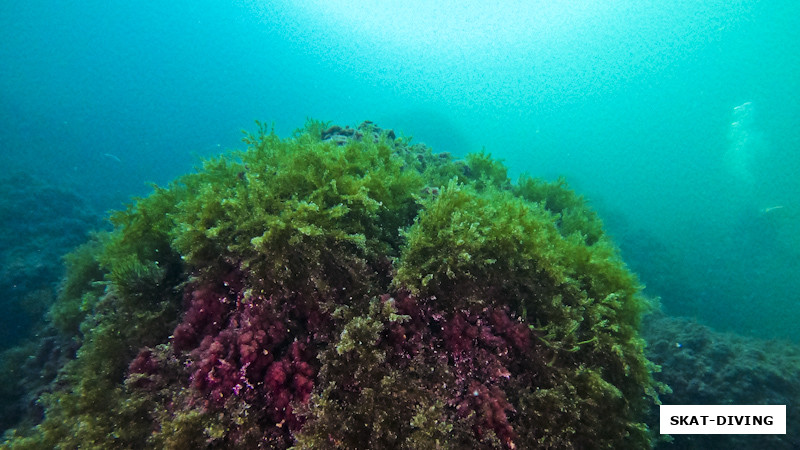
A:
(481, 347)
(207, 308)
(262, 350)
(409, 337)
(290, 379)
(144, 363)
(252, 348)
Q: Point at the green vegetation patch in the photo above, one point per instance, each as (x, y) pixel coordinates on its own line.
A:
(343, 288)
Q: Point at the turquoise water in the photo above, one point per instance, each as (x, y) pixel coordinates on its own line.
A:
(678, 121)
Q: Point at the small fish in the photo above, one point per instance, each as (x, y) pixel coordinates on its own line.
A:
(114, 157)
(770, 209)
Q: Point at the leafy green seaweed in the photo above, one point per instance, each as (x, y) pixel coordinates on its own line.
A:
(344, 222)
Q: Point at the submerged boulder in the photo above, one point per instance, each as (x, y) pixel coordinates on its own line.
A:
(344, 289)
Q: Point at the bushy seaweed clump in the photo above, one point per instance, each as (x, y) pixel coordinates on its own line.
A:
(345, 289)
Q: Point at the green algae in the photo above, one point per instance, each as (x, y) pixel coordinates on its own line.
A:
(289, 209)
(346, 224)
(492, 247)
(394, 410)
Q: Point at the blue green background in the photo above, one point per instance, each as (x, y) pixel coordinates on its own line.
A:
(679, 121)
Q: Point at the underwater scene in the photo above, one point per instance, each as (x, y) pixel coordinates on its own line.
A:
(398, 224)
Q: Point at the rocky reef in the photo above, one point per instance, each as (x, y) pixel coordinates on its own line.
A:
(41, 222)
(343, 288)
(707, 367)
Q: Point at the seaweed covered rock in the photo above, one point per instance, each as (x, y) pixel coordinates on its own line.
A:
(707, 367)
(345, 289)
(41, 222)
